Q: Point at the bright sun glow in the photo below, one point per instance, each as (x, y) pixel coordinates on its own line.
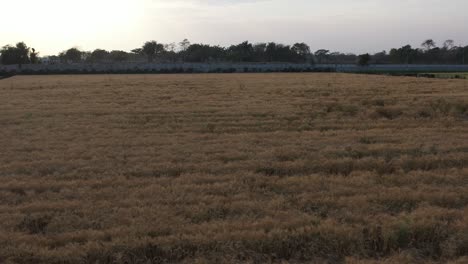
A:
(59, 23)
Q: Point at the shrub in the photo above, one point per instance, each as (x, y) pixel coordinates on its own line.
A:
(35, 224)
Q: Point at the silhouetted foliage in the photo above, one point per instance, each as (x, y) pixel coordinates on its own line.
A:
(73, 55)
(152, 49)
(245, 52)
(203, 53)
(184, 44)
(321, 55)
(302, 51)
(137, 51)
(364, 59)
(34, 56)
(118, 56)
(18, 54)
(428, 44)
(99, 55)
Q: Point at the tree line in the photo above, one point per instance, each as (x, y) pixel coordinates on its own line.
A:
(153, 51)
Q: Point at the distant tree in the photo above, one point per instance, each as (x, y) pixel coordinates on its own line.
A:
(321, 55)
(170, 53)
(7, 55)
(462, 55)
(18, 54)
(403, 55)
(341, 58)
(98, 55)
(241, 52)
(204, 53)
(364, 59)
(118, 56)
(171, 47)
(449, 44)
(85, 55)
(302, 50)
(334, 57)
(270, 51)
(34, 56)
(380, 57)
(465, 55)
(152, 49)
(259, 50)
(428, 44)
(53, 59)
(284, 53)
(23, 53)
(275, 52)
(184, 45)
(71, 55)
(137, 51)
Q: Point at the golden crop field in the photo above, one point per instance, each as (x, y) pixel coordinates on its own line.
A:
(236, 168)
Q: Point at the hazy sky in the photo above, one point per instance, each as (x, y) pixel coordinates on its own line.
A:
(340, 25)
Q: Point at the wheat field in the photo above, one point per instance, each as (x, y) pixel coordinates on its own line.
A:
(233, 168)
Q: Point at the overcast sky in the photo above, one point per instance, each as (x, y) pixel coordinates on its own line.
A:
(339, 25)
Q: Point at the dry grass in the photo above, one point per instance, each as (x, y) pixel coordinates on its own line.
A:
(254, 168)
